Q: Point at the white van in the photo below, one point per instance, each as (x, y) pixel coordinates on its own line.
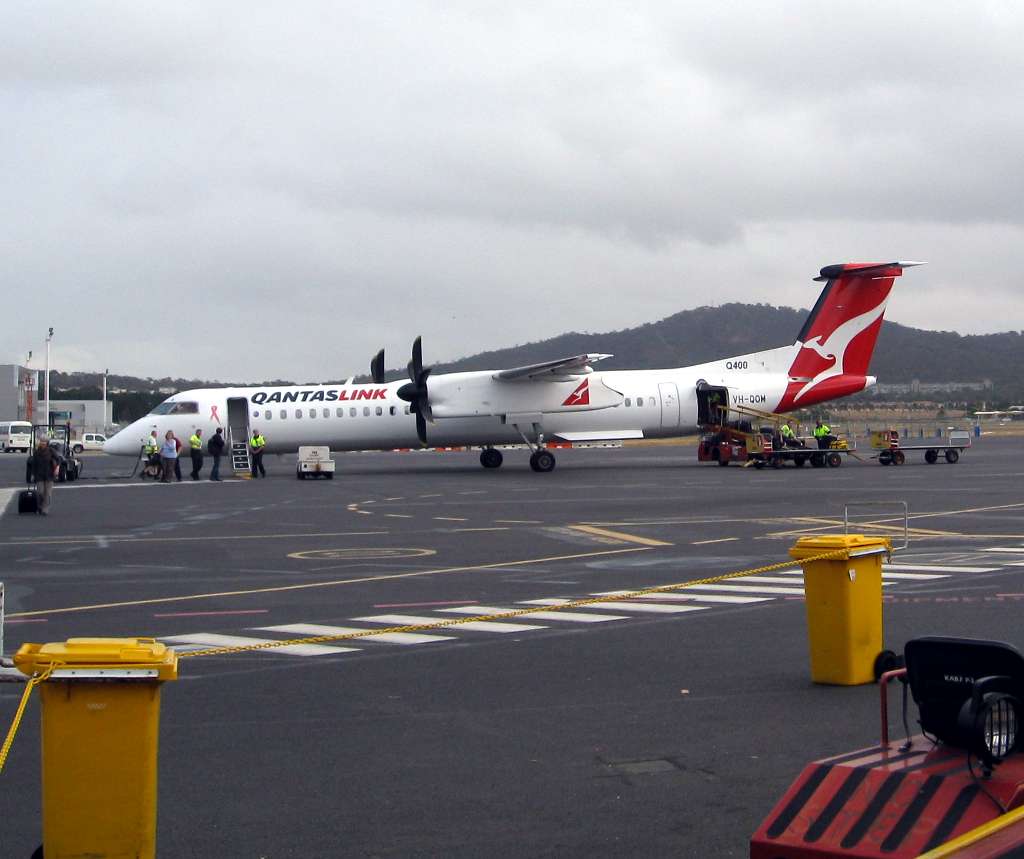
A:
(89, 441)
(15, 435)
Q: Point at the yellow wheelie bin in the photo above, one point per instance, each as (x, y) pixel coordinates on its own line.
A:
(844, 606)
(100, 721)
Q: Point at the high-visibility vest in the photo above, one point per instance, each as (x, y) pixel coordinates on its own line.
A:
(787, 431)
(822, 431)
(195, 442)
(152, 446)
(258, 442)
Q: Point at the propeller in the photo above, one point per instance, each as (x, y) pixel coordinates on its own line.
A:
(415, 392)
(377, 368)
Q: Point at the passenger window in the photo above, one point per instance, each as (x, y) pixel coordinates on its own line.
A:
(629, 401)
(284, 414)
(391, 410)
(256, 414)
(327, 413)
(352, 413)
(366, 411)
(380, 411)
(268, 414)
(341, 413)
(312, 413)
(298, 413)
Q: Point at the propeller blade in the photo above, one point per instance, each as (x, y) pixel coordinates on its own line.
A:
(421, 427)
(377, 368)
(417, 358)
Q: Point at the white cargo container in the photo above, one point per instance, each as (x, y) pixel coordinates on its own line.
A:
(314, 461)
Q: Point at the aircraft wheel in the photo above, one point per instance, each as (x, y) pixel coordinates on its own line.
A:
(817, 460)
(885, 457)
(542, 461)
(834, 460)
(491, 458)
(931, 456)
(952, 456)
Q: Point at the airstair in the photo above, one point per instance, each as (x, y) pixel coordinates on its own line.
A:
(240, 462)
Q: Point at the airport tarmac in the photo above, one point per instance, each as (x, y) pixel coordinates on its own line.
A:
(646, 727)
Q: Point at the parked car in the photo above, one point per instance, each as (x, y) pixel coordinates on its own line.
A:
(89, 441)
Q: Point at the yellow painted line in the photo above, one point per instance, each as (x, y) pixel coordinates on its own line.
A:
(329, 584)
(618, 535)
(466, 530)
(64, 541)
(720, 540)
(976, 835)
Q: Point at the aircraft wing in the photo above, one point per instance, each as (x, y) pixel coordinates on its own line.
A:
(555, 370)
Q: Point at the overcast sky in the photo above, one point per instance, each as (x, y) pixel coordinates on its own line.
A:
(257, 190)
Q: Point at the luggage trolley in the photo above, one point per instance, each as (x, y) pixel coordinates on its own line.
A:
(892, 450)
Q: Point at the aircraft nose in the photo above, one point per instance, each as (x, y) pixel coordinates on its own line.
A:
(123, 443)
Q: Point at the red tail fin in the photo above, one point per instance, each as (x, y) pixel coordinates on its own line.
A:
(839, 336)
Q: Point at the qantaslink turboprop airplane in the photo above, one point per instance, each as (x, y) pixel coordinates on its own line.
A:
(563, 400)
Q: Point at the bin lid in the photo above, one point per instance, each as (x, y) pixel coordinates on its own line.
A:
(100, 653)
(854, 544)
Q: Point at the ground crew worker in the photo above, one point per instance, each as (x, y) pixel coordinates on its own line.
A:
(823, 433)
(151, 448)
(256, 445)
(195, 444)
(788, 436)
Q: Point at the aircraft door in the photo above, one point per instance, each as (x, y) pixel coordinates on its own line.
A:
(669, 405)
(238, 420)
(711, 401)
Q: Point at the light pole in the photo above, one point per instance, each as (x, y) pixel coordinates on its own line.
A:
(105, 371)
(49, 337)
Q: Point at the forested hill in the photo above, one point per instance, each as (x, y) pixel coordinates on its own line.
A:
(705, 334)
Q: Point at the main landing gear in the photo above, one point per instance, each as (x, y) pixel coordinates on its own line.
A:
(542, 460)
(491, 458)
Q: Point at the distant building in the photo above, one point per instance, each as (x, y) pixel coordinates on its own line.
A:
(18, 386)
(84, 415)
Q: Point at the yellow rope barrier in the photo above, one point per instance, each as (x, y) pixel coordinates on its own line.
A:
(33, 681)
(505, 615)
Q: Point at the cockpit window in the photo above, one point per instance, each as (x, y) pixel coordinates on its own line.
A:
(173, 407)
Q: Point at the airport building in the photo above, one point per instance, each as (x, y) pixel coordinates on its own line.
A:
(20, 401)
(18, 386)
(83, 415)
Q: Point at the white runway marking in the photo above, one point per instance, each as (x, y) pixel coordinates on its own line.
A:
(928, 568)
(480, 625)
(750, 589)
(212, 639)
(568, 616)
(682, 595)
(625, 606)
(386, 637)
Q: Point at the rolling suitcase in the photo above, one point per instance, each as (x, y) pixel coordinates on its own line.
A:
(28, 501)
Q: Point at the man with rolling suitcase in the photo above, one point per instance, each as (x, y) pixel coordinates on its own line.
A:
(43, 468)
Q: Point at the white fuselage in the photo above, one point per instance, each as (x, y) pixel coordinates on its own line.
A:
(469, 409)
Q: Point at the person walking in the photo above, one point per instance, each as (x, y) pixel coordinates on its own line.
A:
(256, 445)
(44, 469)
(216, 448)
(177, 458)
(169, 456)
(195, 444)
